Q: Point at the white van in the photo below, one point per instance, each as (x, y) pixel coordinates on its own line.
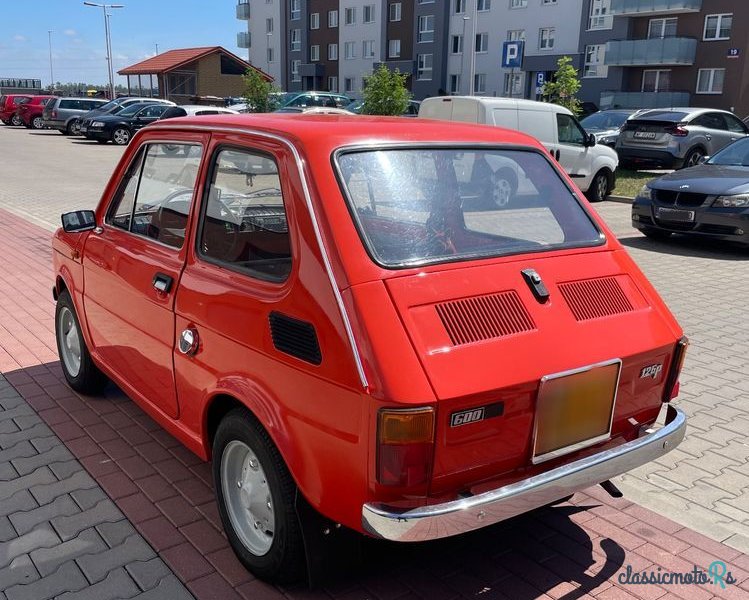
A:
(591, 166)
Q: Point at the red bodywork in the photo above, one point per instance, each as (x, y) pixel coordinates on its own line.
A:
(32, 108)
(10, 105)
(323, 418)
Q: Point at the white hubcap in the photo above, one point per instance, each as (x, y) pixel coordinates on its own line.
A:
(70, 341)
(121, 136)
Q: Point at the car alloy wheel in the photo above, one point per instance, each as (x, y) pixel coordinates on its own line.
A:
(693, 158)
(16, 121)
(121, 136)
(74, 127)
(37, 123)
(70, 341)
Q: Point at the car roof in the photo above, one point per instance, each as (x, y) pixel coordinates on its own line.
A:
(503, 102)
(687, 111)
(327, 132)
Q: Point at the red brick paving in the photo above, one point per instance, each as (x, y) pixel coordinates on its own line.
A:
(575, 551)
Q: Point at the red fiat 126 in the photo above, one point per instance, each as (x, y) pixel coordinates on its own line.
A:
(408, 328)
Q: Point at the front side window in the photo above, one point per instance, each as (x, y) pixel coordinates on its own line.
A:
(718, 27)
(416, 206)
(244, 224)
(569, 131)
(156, 194)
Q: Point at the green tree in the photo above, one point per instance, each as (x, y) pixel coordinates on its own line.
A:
(385, 93)
(564, 86)
(258, 92)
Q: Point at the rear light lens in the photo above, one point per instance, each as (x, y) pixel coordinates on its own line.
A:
(671, 389)
(678, 131)
(405, 446)
(54, 114)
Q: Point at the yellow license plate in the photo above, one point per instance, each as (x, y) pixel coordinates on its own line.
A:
(574, 409)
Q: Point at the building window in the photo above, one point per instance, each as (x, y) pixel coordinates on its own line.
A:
(349, 83)
(662, 28)
(656, 80)
(332, 51)
(482, 42)
(394, 49)
(349, 50)
(295, 70)
(513, 84)
(516, 35)
(548, 2)
(600, 15)
(426, 1)
(269, 55)
(424, 67)
(455, 84)
(332, 83)
(718, 27)
(296, 40)
(268, 25)
(546, 38)
(369, 14)
(426, 29)
(482, 5)
(459, 6)
(332, 18)
(296, 9)
(368, 49)
(479, 83)
(594, 61)
(349, 16)
(710, 81)
(314, 53)
(314, 21)
(518, 3)
(456, 44)
(395, 12)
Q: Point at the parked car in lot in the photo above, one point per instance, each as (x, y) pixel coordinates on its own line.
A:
(592, 166)
(306, 99)
(354, 338)
(30, 113)
(412, 110)
(710, 200)
(9, 106)
(672, 138)
(114, 107)
(120, 128)
(606, 124)
(64, 114)
(190, 110)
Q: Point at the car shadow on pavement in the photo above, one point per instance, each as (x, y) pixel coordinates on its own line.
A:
(681, 245)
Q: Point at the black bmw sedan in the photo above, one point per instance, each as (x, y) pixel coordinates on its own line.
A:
(708, 200)
(121, 127)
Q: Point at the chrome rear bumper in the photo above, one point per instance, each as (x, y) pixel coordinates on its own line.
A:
(458, 516)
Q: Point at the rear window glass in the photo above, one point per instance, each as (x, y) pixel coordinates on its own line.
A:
(416, 206)
(663, 115)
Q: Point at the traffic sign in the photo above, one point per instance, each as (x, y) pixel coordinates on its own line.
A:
(512, 54)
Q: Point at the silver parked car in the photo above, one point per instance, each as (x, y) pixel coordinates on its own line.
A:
(113, 107)
(672, 138)
(64, 114)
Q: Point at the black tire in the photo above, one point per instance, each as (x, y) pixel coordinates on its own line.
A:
(73, 127)
(599, 187)
(89, 379)
(16, 121)
(37, 123)
(656, 234)
(121, 136)
(693, 157)
(284, 560)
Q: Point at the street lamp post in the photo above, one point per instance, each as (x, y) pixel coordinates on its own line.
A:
(110, 70)
(51, 75)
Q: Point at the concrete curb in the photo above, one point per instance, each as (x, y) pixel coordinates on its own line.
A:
(620, 199)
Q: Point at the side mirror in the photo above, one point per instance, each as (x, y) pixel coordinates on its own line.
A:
(79, 220)
(590, 140)
(702, 160)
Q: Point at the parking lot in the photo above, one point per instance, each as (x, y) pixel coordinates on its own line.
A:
(702, 487)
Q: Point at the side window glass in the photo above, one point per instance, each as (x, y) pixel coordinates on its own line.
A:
(569, 131)
(734, 125)
(157, 194)
(244, 223)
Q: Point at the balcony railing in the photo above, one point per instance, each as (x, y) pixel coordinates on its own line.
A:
(243, 11)
(616, 99)
(669, 51)
(243, 39)
(654, 7)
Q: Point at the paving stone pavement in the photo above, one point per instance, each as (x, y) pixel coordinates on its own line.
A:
(573, 551)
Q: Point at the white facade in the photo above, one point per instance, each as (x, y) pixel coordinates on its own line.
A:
(550, 28)
(360, 43)
(266, 33)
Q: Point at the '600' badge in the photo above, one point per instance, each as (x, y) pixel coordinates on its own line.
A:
(466, 416)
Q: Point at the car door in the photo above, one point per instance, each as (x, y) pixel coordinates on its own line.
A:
(711, 132)
(736, 128)
(132, 265)
(572, 150)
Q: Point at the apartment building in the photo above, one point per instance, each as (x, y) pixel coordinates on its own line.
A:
(264, 37)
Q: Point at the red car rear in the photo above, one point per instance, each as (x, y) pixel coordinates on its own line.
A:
(9, 106)
(30, 112)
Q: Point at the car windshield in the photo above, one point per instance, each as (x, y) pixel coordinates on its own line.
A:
(286, 97)
(663, 115)
(604, 120)
(417, 206)
(109, 105)
(734, 155)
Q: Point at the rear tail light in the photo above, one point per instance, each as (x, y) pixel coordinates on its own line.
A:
(671, 389)
(678, 131)
(405, 446)
(54, 114)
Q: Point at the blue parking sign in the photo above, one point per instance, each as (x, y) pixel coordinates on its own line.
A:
(512, 55)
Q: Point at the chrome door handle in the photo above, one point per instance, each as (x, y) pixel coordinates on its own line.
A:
(188, 342)
(162, 283)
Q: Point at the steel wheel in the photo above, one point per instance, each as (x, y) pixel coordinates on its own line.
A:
(248, 497)
(37, 123)
(70, 341)
(121, 136)
(502, 192)
(602, 185)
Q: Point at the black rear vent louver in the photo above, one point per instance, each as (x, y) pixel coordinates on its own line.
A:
(294, 337)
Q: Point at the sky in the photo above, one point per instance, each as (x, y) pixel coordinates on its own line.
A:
(78, 42)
